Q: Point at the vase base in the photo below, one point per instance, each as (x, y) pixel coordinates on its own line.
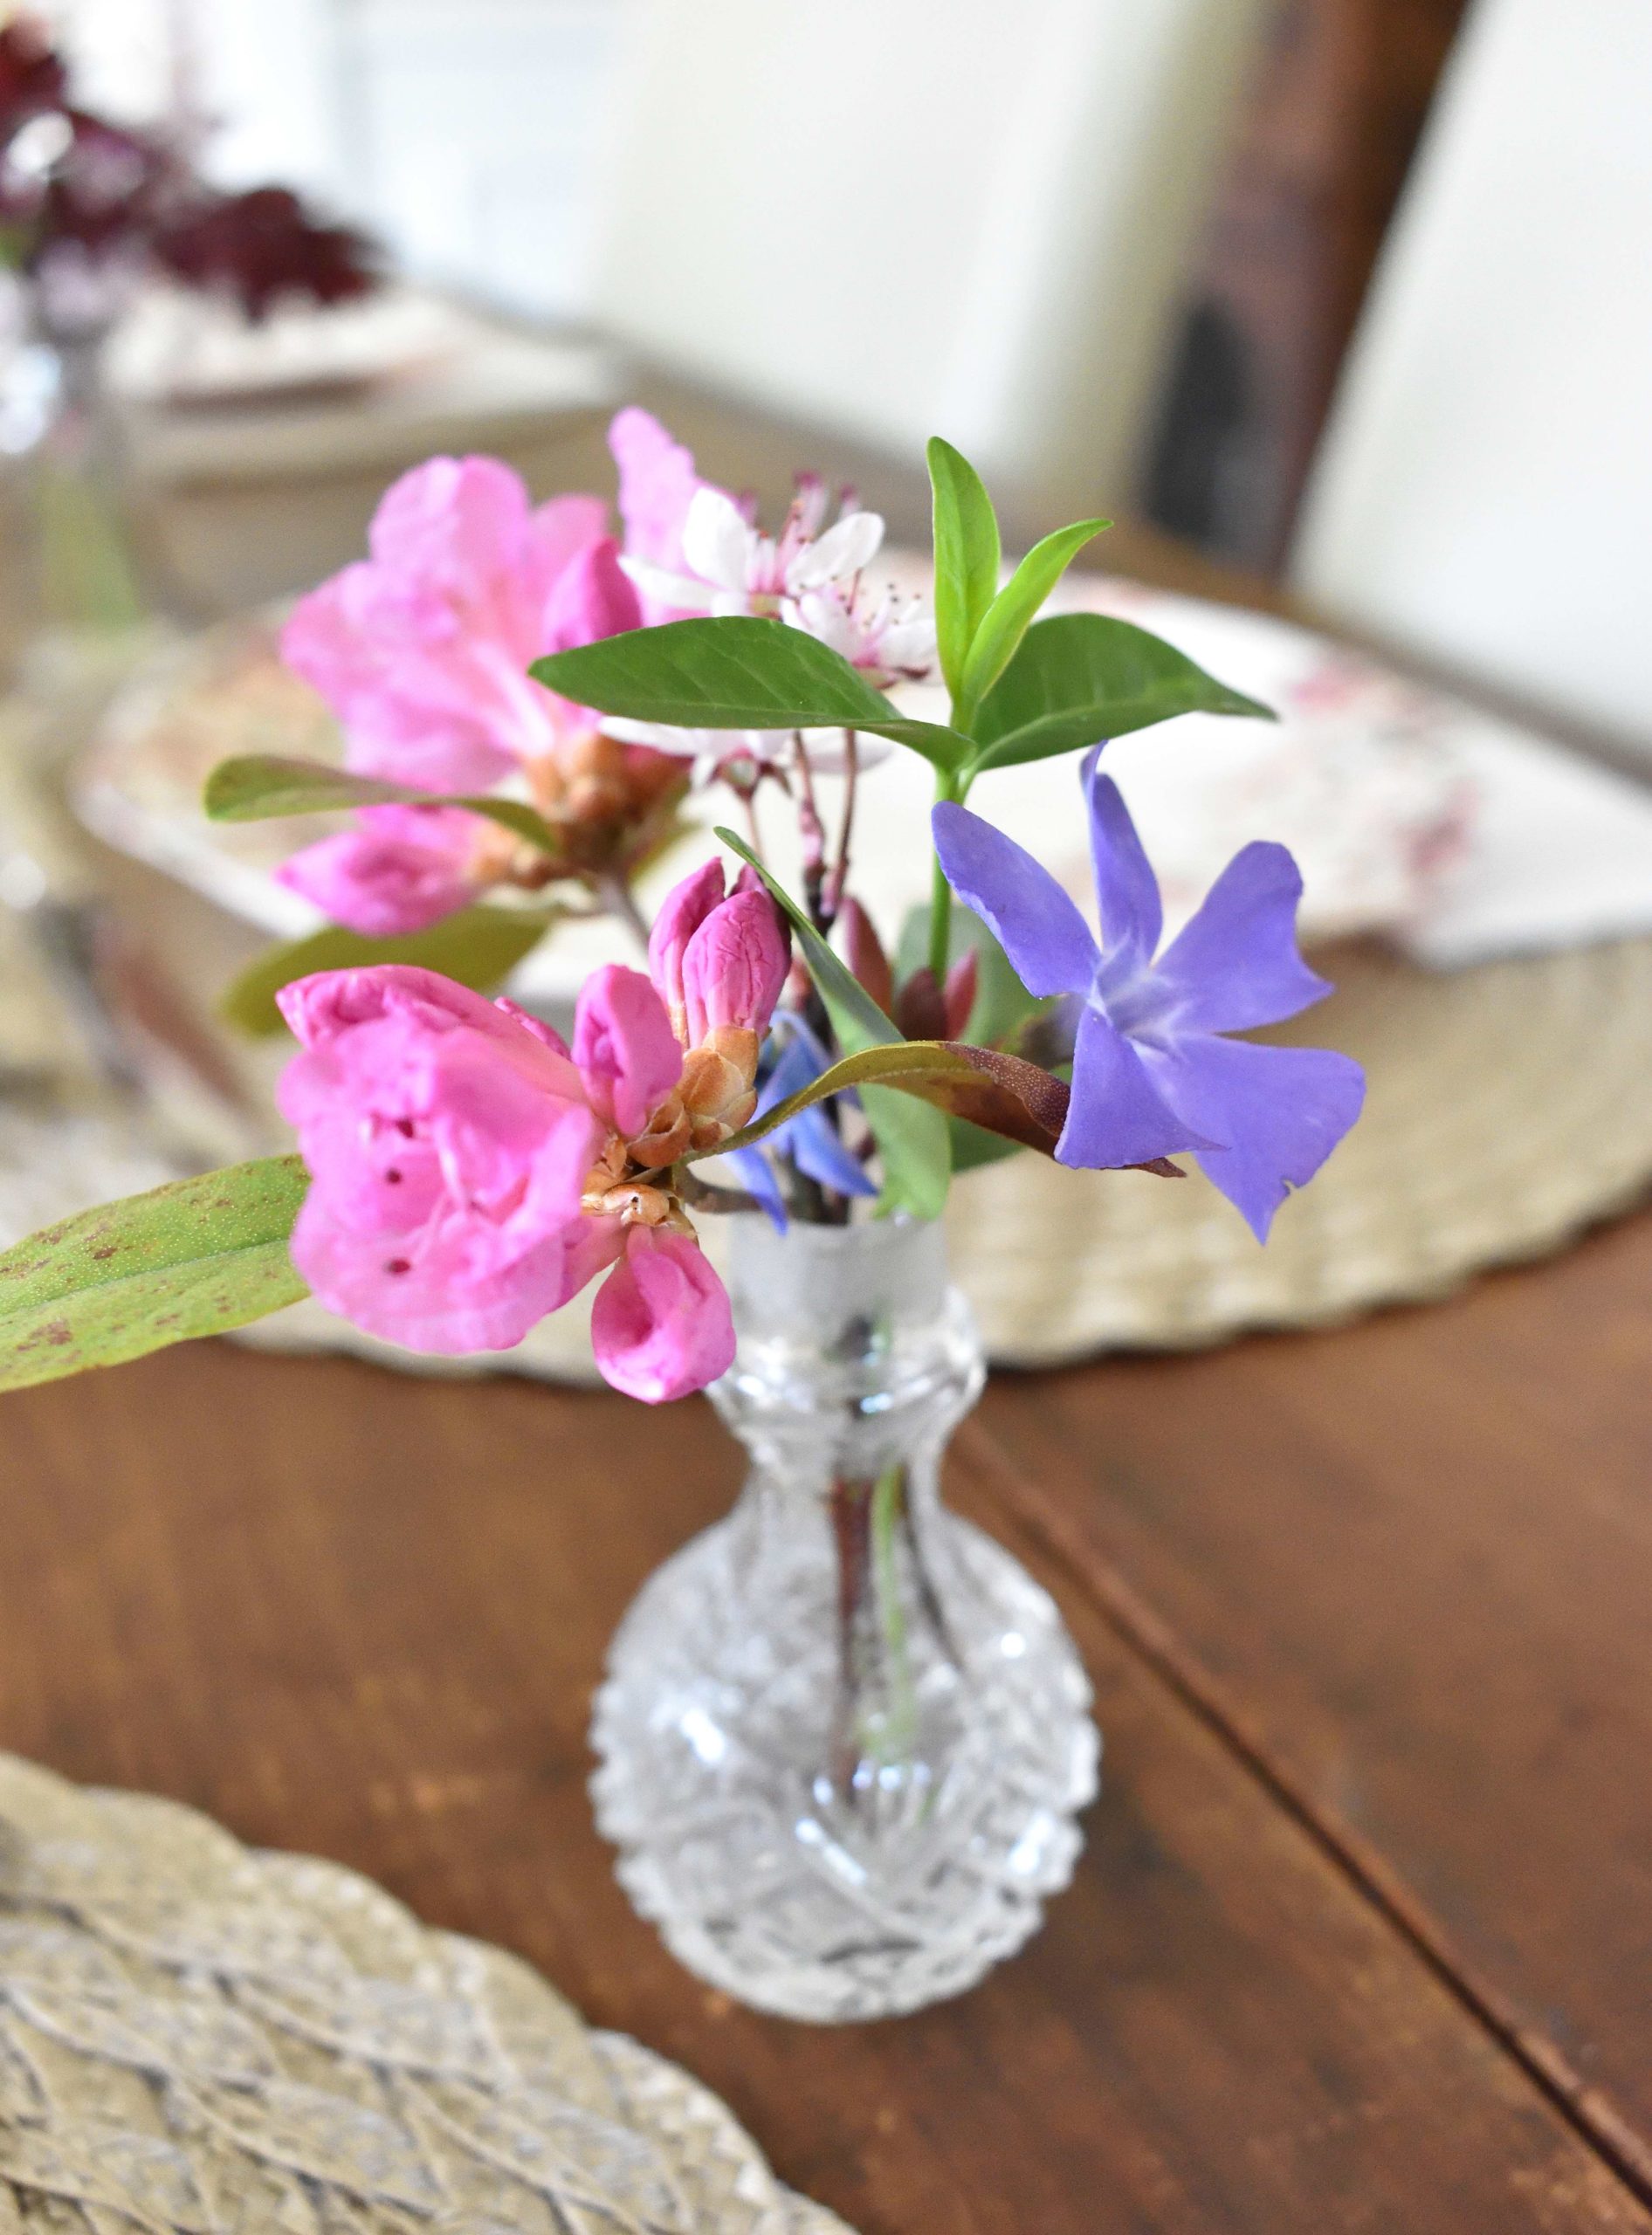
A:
(797, 1890)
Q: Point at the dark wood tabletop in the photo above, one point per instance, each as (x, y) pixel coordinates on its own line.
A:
(1361, 1939)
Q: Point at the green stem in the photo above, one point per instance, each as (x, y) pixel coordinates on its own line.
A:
(888, 1506)
(940, 905)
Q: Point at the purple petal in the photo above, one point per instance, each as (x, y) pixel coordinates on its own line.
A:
(820, 1155)
(1046, 939)
(1117, 1115)
(810, 1139)
(1126, 890)
(1235, 964)
(757, 1178)
(1280, 1111)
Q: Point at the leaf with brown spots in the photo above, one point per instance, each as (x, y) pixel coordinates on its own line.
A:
(196, 1258)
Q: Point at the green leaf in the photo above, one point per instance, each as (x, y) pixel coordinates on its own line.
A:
(915, 1147)
(1080, 677)
(967, 557)
(912, 1139)
(1011, 612)
(974, 1146)
(479, 947)
(736, 672)
(258, 786)
(896, 1063)
(196, 1258)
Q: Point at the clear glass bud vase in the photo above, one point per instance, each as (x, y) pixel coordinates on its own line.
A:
(843, 1738)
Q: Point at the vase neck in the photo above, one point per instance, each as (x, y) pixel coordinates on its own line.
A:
(854, 1351)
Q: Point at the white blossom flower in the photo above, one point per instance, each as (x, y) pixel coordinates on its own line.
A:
(890, 639)
(730, 565)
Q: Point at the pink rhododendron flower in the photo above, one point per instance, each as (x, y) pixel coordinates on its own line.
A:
(448, 1145)
(422, 650)
(470, 1173)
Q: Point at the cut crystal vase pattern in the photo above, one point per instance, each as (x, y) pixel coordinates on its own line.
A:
(844, 1737)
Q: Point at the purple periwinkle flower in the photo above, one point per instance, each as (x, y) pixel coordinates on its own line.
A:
(810, 1139)
(1154, 1074)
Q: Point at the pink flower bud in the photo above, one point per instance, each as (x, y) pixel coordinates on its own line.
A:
(626, 1050)
(734, 967)
(681, 913)
(661, 1325)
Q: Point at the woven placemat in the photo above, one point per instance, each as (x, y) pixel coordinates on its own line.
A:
(1509, 1107)
(200, 2039)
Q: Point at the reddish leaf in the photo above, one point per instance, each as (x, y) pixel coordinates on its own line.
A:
(1011, 1097)
(919, 1010)
(864, 952)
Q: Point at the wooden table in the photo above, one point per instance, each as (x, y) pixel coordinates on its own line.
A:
(1362, 1936)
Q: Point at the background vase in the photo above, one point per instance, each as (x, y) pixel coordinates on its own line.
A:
(72, 574)
(844, 1737)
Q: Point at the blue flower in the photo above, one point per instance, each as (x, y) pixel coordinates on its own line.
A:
(1153, 1074)
(809, 1140)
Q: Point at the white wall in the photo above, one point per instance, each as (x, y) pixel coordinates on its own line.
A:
(473, 126)
(462, 131)
(904, 216)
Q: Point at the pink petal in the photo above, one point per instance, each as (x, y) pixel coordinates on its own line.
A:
(661, 1325)
(656, 485)
(623, 1044)
(593, 598)
(545, 1034)
(401, 869)
(421, 1293)
(452, 519)
(330, 1004)
(734, 967)
(678, 918)
(559, 530)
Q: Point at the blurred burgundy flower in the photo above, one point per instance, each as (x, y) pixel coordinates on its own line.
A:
(32, 76)
(103, 192)
(265, 245)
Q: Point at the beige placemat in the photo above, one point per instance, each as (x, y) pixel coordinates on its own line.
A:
(196, 2036)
